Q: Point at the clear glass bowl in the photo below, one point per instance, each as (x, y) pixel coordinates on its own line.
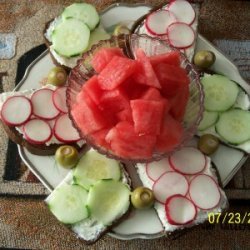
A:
(152, 46)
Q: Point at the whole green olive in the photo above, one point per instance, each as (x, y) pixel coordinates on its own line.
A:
(121, 29)
(57, 76)
(66, 156)
(142, 197)
(208, 144)
(204, 59)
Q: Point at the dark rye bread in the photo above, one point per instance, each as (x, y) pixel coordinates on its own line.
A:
(36, 149)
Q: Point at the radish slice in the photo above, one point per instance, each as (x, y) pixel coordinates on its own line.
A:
(37, 131)
(180, 35)
(204, 191)
(168, 184)
(64, 130)
(155, 169)
(43, 106)
(180, 210)
(188, 160)
(158, 21)
(16, 110)
(59, 99)
(183, 11)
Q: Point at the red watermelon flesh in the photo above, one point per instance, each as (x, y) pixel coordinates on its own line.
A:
(148, 71)
(126, 143)
(152, 94)
(125, 115)
(99, 138)
(116, 72)
(147, 116)
(92, 88)
(88, 116)
(179, 102)
(171, 134)
(172, 58)
(103, 56)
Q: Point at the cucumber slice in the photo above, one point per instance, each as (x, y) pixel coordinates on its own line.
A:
(70, 37)
(108, 200)
(234, 126)
(84, 12)
(209, 119)
(68, 203)
(220, 92)
(93, 167)
(97, 35)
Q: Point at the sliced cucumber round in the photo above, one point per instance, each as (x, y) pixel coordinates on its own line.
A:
(68, 203)
(93, 167)
(70, 37)
(209, 119)
(220, 92)
(234, 126)
(108, 200)
(84, 12)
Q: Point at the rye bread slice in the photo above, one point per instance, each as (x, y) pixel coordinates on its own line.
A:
(38, 149)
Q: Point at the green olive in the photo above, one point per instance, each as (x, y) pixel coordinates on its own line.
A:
(142, 197)
(57, 76)
(204, 59)
(208, 144)
(121, 29)
(66, 156)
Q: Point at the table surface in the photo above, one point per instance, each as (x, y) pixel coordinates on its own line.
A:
(25, 222)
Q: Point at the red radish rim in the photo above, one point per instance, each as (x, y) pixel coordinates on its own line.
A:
(205, 209)
(37, 142)
(172, 1)
(180, 47)
(149, 29)
(16, 124)
(166, 173)
(41, 117)
(170, 220)
(59, 137)
(54, 102)
(179, 171)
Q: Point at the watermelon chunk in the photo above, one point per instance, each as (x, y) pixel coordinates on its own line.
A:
(152, 94)
(103, 56)
(147, 116)
(116, 72)
(172, 58)
(148, 71)
(125, 142)
(92, 88)
(99, 138)
(125, 115)
(88, 117)
(171, 134)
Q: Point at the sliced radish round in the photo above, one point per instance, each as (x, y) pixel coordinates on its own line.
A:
(180, 210)
(59, 99)
(168, 184)
(43, 106)
(16, 110)
(188, 160)
(204, 192)
(180, 35)
(158, 21)
(64, 130)
(37, 131)
(155, 169)
(183, 11)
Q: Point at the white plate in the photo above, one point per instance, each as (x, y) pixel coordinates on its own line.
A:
(141, 224)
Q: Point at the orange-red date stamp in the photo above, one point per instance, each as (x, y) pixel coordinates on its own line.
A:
(229, 218)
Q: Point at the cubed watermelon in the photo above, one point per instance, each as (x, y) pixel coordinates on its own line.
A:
(88, 116)
(147, 116)
(116, 72)
(125, 142)
(99, 138)
(152, 94)
(171, 134)
(92, 88)
(148, 71)
(103, 56)
(125, 115)
(172, 58)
